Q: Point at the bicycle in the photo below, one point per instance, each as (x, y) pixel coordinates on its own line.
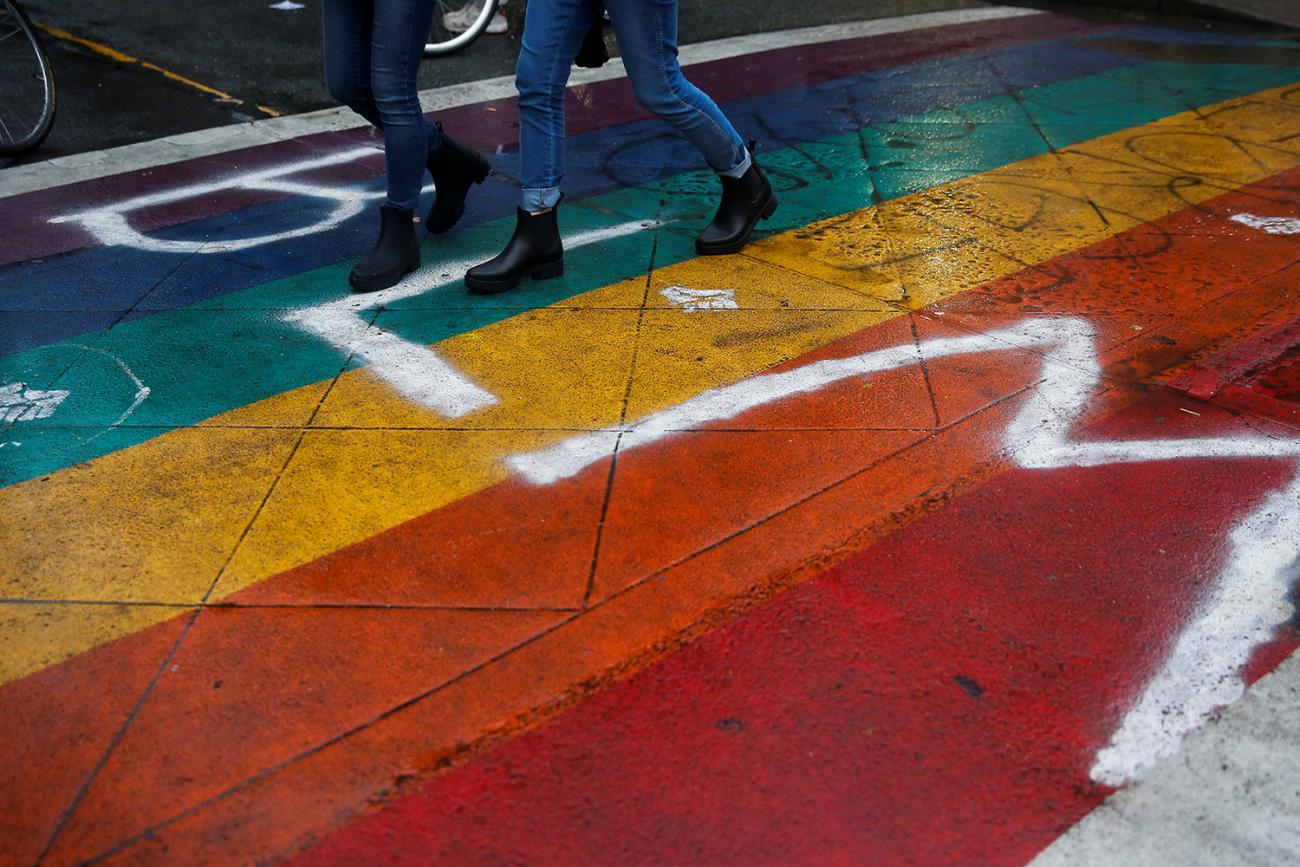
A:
(444, 41)
(27, 92)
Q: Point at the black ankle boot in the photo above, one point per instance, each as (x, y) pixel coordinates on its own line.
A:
(454, 168)
(745, 200)
(534, 251)
(396, 253)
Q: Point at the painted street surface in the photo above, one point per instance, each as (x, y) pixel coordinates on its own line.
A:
(960, 501)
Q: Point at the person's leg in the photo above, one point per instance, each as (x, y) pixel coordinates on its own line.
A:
(346, 27)
(400, 29)
(397, 34)
(411, 143)
(647, 36)
(455, 168)
(553, 31)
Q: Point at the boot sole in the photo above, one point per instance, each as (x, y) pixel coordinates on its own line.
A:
(548, 271)
(768, 209)
(442, 227)
(383, 281)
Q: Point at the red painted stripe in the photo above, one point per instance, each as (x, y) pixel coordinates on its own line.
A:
(55, 728)
(494, 124)
(937, 699)
(308, 661)
(1217, 373)
(1272, 391)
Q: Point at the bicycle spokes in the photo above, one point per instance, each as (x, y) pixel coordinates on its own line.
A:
(26, 83)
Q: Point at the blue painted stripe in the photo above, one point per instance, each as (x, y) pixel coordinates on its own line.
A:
(91, 289)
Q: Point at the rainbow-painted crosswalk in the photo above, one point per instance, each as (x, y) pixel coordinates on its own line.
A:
(920, 469)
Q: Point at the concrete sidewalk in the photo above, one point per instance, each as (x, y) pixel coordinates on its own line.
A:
(1282, 13)
(948, 508)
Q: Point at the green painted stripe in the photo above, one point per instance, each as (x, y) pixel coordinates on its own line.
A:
(216, 356)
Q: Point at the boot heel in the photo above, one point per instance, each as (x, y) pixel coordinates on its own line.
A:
(769, 209)
(395, 254)
(534, 251)
(549, 271)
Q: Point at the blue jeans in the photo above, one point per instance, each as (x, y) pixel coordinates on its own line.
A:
(372, 55)
(647, 38)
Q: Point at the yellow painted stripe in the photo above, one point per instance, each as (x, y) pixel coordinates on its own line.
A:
(98, 48)
(114, 54)
(159, 521)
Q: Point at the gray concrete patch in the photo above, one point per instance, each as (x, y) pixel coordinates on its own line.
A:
(1231, 797)
(1285, 13)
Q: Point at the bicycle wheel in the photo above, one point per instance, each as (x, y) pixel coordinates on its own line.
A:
(27, 94)
(443, 40)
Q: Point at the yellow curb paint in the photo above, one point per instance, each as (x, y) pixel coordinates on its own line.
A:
(156, 521)
(114, 54)
(98, 48)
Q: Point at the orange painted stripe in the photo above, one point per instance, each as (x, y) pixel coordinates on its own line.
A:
(354, 702)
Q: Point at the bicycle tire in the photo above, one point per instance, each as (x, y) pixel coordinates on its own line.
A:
(27, 134)
(456, 43)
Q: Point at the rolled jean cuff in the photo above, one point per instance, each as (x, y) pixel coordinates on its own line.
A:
(540, 199)
(740, 168)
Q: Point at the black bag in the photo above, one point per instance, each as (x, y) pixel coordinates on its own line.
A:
(593, 52)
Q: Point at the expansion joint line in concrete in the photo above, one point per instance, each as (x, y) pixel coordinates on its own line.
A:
(193, 617)
(1009, 254)
(911, 348)
(707, 621)
(622, 420)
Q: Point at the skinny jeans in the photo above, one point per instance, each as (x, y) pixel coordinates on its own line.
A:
(373, 50)
(647, 39)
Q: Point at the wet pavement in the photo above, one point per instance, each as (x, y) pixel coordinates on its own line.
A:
(952, 506)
